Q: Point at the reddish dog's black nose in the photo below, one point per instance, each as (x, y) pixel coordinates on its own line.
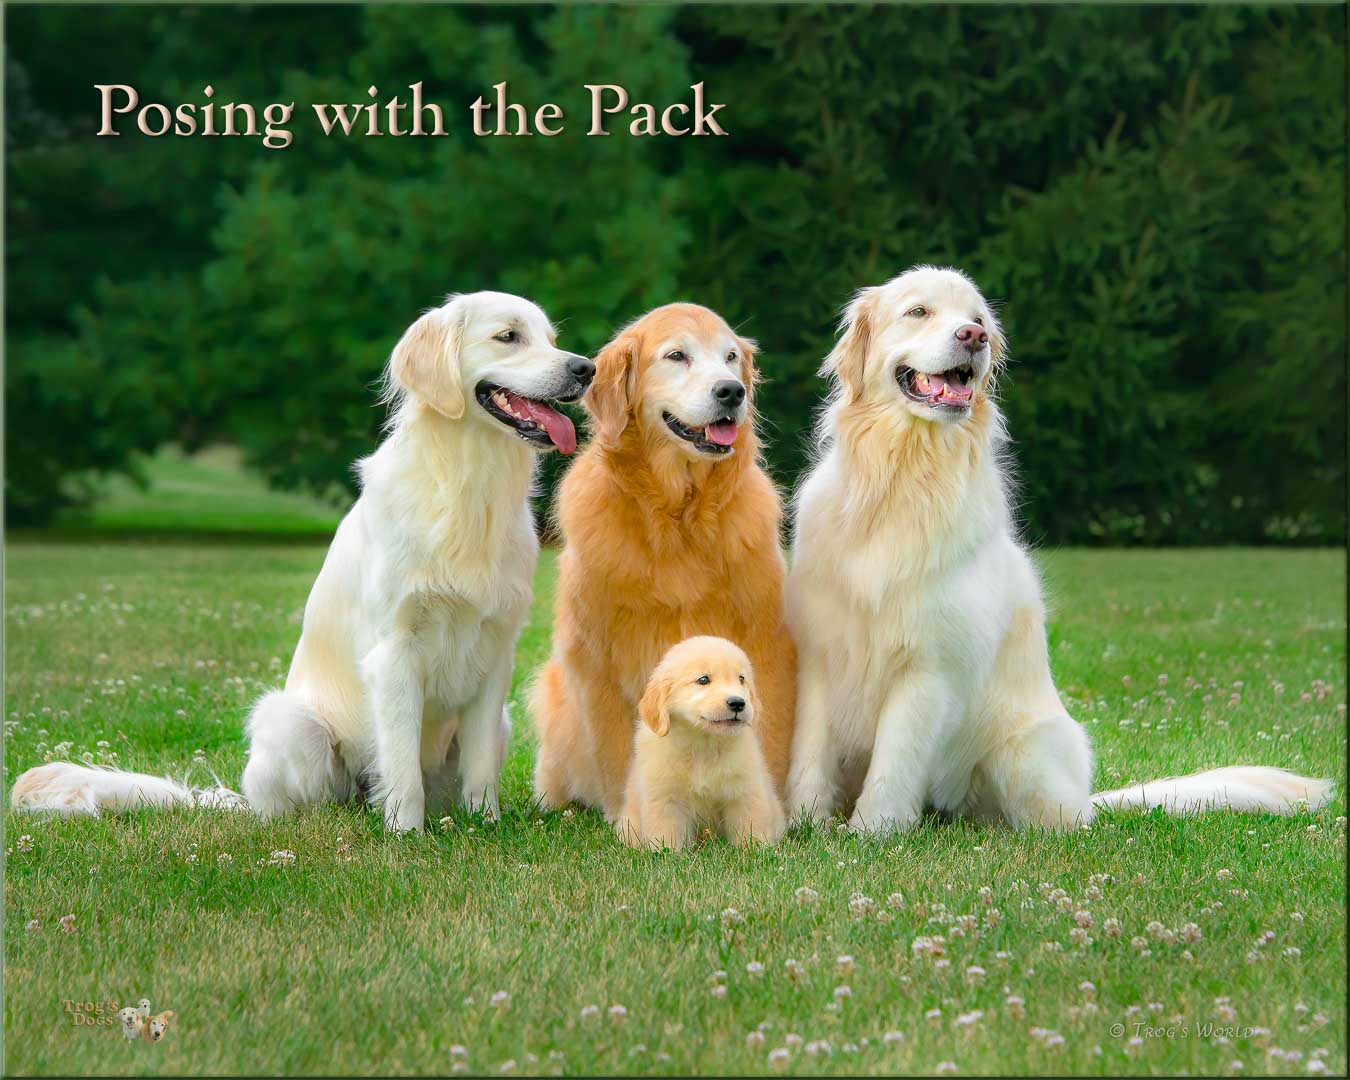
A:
(973, 336)
(729, 392)
(735, 704)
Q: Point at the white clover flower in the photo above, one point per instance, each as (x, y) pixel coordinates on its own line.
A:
(24, 843)
(896, 900)
(893, 1038)
(501, 1000)
(67, 923)
(754, 1039)
(975, 974)
(32, 926)
(754, 968)
(818, 1046)
(718, 991)
(792, 1040)
(1111, 928)
(933, 1016)
(590, 1012)
(843, 993)
(945, 1068)
(458, 1053)
(1015, 1007)
(861, 906)
(779, 1058)
(806, 895)
(618, 1015)
(843, 966)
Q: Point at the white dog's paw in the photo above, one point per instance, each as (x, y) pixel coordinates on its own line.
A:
(865, 820)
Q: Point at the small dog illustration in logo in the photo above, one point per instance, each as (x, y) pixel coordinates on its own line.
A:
(157, 1026)
(131, 1022)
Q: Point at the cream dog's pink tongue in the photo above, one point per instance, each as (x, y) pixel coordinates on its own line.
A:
(723, 432)
(559, 428)
(939, 389)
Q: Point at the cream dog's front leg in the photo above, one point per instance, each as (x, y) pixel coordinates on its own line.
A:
(909, 733)
(394, 696)
(481, 739)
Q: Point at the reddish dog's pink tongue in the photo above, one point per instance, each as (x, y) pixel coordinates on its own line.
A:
(559, 428)
(724, 432)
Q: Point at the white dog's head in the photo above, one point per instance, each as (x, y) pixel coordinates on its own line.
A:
(926, 342)
(130, 1019)
(705, 684)
(681, 378)
(500, 350)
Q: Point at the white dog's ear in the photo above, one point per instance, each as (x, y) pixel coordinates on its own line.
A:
(653, 706)
(611, 393)
(426, 361)
(847, 361)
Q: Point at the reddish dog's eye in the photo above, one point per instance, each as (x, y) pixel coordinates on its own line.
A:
(677, 356)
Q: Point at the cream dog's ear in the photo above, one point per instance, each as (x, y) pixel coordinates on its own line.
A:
(653, 706)
(426, 361)
(847, 361)
(611, 393)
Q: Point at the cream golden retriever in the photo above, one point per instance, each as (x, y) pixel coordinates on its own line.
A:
(671, 530)
(695, 765)
(398, 686)
(924, 675)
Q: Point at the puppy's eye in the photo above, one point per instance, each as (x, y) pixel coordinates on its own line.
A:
(677, 356)
(742, 680)
(508, 337)
(703, 680)
(918, 311)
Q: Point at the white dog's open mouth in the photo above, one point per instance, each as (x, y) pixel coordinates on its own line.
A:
(716, 438)
(951, 389)
(535, 421)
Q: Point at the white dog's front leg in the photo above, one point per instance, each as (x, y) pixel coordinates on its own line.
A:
(395, 695)
(482, 739)
(909, 730)
(813, 780)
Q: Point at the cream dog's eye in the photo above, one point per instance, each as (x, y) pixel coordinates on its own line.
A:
(677, 356)
(918, 311)
(703, 680)
(508, 337)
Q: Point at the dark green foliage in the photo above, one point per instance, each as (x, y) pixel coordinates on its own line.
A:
(1157, 195)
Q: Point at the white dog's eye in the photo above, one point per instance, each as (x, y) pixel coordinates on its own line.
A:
(508, 337)
(703, 680)
(677, 356)
(979, 320)
(918, 311)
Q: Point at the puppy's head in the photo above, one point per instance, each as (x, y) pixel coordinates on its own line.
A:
(926, 343)
(703, 684)
(501, 351)
(682, 377)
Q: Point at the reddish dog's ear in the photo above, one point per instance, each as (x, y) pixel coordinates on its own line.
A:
(749, 349)
(425, 362)
(611, 394)
(652, 708)
(847, 361)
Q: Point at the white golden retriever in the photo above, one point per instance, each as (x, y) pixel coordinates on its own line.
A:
(924, 679)
(398, 686)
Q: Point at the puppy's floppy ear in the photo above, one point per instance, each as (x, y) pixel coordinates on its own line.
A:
(848, 359)
(426, 361)
(611, 393)
(652, 708)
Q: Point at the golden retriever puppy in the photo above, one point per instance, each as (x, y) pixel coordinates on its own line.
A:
(694, 764)
(925, 678)
(671, 529)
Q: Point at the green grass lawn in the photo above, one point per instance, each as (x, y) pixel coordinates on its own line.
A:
(368, 953)
(208, 492)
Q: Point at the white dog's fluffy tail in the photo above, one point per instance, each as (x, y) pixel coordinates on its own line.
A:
(71, 790)
(1248, 788)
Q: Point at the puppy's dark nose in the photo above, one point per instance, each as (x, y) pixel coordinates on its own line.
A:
(973, 336)
(729, 392)
(582, 368)
(735, 704)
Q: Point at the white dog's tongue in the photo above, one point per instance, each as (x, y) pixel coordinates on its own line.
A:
(724, 432)
(559, 427)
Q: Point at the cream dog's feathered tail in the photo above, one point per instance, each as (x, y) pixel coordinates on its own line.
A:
(1257, 789)
(70, 790)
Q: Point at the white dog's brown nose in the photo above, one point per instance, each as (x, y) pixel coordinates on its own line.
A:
(973, 336)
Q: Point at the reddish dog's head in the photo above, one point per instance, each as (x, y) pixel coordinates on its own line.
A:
(677, 379)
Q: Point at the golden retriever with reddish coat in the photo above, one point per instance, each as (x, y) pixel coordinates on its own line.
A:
(671, 530)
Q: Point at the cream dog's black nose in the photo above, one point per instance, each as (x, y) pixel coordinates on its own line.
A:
(735, 704)
(582, 368)
(973, 336)
(729, 392)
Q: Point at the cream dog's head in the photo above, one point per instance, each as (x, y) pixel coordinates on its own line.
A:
(500, 350)
(681, 377)
(130, 1020)
(926, 342)
(703, 684)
